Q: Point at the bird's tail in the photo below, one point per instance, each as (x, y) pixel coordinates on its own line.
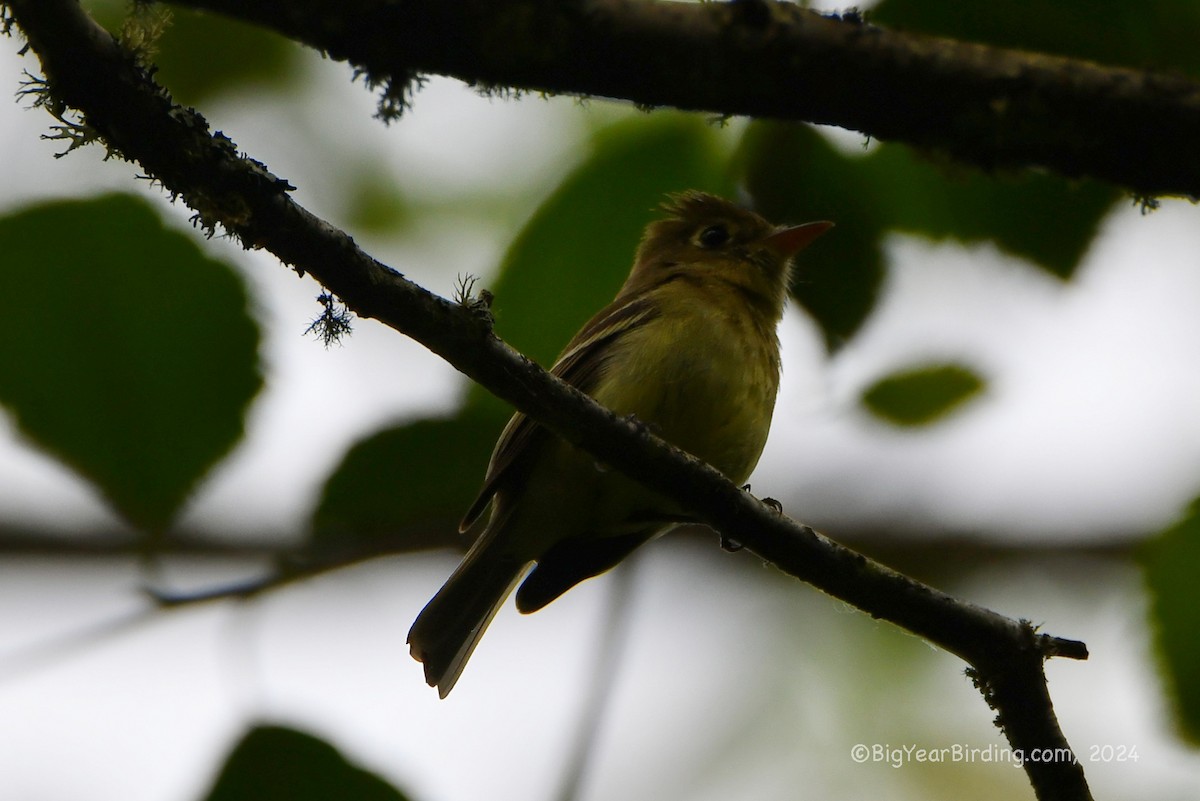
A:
(449, 627)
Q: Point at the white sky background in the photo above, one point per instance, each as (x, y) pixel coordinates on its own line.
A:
(1088, 430)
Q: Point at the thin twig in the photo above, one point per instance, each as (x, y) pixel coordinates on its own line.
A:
(63, 646)
(614, 637)
(293, 569)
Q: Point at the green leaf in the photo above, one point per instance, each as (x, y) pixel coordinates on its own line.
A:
(404, 488)
(201, 55)
(920, 395)
(794, 175)
(576, 251)
(377, 204)
(273, 762)
(1155, 34)
(128, 353)
(1171, 563)
(1037, 216)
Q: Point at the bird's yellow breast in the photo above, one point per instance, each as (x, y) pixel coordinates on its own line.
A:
(703, 376)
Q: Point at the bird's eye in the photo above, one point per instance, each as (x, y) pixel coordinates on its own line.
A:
(713, 236)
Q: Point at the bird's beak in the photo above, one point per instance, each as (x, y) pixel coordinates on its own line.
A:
(793, 239)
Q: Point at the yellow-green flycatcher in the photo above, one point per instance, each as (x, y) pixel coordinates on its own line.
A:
(689, 347)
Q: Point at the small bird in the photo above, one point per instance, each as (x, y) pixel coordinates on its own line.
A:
(689, 347)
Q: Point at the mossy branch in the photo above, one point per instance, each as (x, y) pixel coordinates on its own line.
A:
(987, 106)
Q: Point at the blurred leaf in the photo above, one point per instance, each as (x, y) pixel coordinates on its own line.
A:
(795, 175)
(576, 251)
(1171, 563)
(920, 395)
(201, 55)
(1155, 34)
(273, 762)
(1037, 216)
(377, 204)
(405, 488)
(109, 13)
(128, 353)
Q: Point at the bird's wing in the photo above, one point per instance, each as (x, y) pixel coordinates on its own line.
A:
(581, 364)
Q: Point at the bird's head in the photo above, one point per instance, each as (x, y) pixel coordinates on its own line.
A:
(707, 237)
